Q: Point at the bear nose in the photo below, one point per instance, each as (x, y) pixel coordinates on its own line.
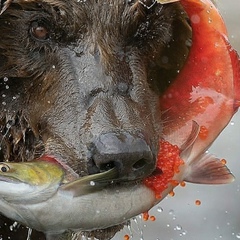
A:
(130, 154)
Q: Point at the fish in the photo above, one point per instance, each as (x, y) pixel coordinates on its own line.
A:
(38, 194)
(198, 105)
(57, 205)
(207, 89)
(29, 180)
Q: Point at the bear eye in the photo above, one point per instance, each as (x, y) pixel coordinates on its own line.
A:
(4, 168)
(39, 30)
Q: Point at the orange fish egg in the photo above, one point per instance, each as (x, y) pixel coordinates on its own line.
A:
(145, 216)
(198, 202)
(168, 164)
(203, 133)
(182, 184)
(158, 196)
(172, 193)
(174, 183)
(152, 218)
(224, 161)
(126, 237)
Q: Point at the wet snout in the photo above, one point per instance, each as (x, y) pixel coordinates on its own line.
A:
(131, 154)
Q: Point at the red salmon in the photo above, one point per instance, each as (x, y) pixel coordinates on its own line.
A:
(198, 104)
(207, 89)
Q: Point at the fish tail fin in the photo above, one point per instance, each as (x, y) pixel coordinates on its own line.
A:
(209, 169)
(205, 168)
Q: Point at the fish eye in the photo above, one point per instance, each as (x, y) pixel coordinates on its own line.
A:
(4, 168)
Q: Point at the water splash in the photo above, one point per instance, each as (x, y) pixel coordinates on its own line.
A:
(29, 234)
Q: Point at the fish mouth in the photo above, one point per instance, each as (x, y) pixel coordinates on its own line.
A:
(99, 180)
(97, 183)
(10, 180)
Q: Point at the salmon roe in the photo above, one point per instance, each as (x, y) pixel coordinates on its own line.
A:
(145, 216)
(224, 161)
(203, 133)
(198, 202)
(126, 237)
(152, 218)
(168, 164)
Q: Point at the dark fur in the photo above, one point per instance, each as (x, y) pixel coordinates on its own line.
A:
(59, 94)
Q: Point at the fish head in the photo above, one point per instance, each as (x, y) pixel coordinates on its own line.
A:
(25, 180)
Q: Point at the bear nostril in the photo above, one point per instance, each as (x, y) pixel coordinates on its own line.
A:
(106, 166)
(139, 164)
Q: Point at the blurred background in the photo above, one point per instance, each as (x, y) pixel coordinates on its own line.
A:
(218, 216)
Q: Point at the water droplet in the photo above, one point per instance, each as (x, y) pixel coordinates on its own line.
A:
(129, 227)
(7, 87)
(159, 209)
(238, 235)
(184, 232)
(5, 79)
(195, 18)
(178, 227)
(232, 123)
(92, 183)
(171, 212)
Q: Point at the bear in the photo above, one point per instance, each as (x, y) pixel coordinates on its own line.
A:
(80, 81)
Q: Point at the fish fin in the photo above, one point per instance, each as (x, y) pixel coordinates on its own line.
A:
(186, 147)
(192, 137)
(89, 184)
(208, 170)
